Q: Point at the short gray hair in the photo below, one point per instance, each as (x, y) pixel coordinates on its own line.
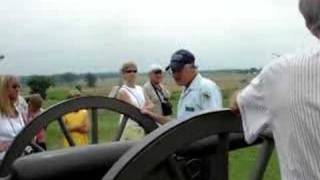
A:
(310, 10)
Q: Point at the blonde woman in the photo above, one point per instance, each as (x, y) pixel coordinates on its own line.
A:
(11, 117)
(133, 94)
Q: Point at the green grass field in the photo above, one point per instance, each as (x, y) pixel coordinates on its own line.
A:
(241, 161)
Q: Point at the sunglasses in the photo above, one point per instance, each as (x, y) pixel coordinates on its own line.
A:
(157, 71)
(179, 69)
(15, 86)
(131, 71)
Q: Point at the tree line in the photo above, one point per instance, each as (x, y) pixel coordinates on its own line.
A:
(39, 84)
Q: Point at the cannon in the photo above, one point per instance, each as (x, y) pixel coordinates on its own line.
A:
(177, 150)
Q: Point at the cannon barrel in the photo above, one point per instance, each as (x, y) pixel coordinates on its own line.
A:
(91, 162)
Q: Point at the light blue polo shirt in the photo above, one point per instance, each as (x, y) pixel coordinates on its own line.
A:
(201, 95)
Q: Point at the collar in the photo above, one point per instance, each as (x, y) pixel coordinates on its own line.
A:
(195, 83)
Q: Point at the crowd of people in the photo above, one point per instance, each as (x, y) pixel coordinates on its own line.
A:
(283, 99)
(16, 112)
(153, 98)
(198, 94)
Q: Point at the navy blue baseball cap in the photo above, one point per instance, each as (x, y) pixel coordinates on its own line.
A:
(179, 59)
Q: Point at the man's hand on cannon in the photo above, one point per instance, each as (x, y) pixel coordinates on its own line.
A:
(233, 104)
(158, 118)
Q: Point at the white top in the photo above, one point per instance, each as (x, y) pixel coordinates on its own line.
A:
(9, 129)
(285, 98)
(201, 95)
(137, 99)
(136, 95)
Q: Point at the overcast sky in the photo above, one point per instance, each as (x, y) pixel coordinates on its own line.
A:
(56, 36)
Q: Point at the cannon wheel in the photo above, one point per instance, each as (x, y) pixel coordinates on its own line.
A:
(157, 156)
(160, 146)
(25, 137)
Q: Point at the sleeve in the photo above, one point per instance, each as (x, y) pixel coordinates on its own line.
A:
(85, 117)
(147, 95)
(254, 108)
(211, 97)
(146, 92)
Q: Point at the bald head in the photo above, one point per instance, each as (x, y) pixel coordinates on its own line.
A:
(310, 10)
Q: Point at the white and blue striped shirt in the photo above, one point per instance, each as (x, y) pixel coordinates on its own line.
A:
(285, 98)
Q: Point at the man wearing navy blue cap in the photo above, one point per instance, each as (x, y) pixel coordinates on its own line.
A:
(198, 94)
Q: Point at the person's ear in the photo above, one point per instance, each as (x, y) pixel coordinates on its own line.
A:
(193, 69)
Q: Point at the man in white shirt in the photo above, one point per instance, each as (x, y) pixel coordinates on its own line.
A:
(285, 98)
(198, 94)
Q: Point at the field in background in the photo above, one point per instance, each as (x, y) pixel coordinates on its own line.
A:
(241, 161)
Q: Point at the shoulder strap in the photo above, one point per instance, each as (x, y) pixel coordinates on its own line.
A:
(157, 92)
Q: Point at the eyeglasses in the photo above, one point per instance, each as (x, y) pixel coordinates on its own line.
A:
(131, 71)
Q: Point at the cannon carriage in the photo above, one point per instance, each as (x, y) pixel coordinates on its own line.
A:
(191, 149)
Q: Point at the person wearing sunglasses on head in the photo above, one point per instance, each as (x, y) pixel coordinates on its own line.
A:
(157, 92)
(133, 94)
(198, 93)
(12, 119)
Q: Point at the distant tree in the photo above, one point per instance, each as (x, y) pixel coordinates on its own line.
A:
(91, 79)
(78, 87)
(254, 70)
(40, 85)
(69, 77)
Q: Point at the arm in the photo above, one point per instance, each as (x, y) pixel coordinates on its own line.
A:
(122, 95)
(253, 102)
(233, 104)
(159, 118)
(86, 123)
(78, 127)
(83, 128)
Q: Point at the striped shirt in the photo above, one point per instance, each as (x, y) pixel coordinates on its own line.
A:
(285, 98)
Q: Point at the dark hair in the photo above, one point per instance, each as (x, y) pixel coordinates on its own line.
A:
(310, 9)
(35, 100)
